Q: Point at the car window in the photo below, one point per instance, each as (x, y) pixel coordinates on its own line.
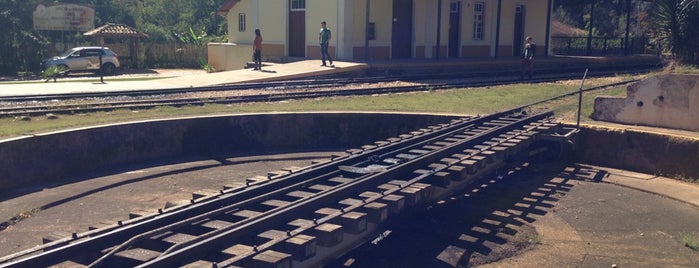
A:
(93, 52)
(68, 53)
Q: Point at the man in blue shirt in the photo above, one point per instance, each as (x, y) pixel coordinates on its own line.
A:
(324, 38)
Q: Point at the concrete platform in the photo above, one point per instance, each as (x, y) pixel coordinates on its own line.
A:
(270, 71)
(472, 67)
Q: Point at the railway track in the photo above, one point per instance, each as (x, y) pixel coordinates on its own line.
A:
(278, 91)
(308, 216)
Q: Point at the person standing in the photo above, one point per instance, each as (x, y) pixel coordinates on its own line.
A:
(528, 57)
(324, 38)
(257, 50)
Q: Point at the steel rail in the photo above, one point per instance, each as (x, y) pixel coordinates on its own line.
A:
(271, 97)
(270, 221)
(80, 243)
(83, 242)
(318, 82)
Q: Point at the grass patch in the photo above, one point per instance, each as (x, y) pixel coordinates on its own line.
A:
(690, 241)
(22, 215)
(467, 101)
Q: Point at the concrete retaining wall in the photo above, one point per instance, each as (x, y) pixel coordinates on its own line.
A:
(59, 157)
(646, 152)
(228, 56)
(662, 101)
(63, 156)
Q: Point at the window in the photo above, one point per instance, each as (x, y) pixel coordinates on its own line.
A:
(454, 7)
(371, 31)
(298, 4)
(241, 22)
(478, 20)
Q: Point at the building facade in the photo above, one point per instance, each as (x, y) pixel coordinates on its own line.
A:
(366, 30)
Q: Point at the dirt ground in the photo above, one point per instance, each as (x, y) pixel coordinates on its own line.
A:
(122, 73)
(535, 216)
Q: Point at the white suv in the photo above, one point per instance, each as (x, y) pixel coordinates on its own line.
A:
(84, 59)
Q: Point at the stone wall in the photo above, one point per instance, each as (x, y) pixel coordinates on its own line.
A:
(641, 151)
(670, 101)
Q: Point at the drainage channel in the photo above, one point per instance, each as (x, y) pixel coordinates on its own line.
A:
(308, 216)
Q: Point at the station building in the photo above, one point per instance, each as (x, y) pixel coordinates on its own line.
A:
(370, 30)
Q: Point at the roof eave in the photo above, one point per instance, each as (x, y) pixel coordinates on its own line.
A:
(227, 6)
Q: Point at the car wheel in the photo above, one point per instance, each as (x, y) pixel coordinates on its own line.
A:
(108, 68)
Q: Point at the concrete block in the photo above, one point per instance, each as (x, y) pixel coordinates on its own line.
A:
(301, 223)
(395, 203)
(320, 187)
(199, 264)
(268, 235)
(141, 213)
(441, 179)
(55, 236)
(203, 193)
(354, 222)
(238, 250)
(300, 194)
(376, 212)
(386, 187)
(323, 212)
(275, 203)
(412, 195)
(135, 256)
(247, 213)
(301, 247)
(350, 202)
(270, 259)
(458, 172)
(216, 224)
(470, 165)
(328, 234)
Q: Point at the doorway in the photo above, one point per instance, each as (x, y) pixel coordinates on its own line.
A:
(402, 29)
(518, 30)
(297, 28)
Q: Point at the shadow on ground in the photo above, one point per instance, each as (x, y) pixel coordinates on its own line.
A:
(489, 221)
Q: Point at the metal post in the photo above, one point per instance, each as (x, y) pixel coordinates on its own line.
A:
(439, 28)
(589, 30)
(628, 22)
(580, 97)
(548, 27)
(366, 32)
(101, 71)
(497, 30)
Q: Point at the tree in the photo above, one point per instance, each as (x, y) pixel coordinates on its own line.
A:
(675, 27)
(20, 45)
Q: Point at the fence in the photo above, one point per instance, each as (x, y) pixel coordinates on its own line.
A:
(153, 55)
(600, 46)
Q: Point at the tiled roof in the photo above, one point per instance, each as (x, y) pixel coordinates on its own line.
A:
(115, 30)
(226, 7)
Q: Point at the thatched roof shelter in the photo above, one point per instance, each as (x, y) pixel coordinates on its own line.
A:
(119, 31)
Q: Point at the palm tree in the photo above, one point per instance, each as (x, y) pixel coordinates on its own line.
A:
(675, 27)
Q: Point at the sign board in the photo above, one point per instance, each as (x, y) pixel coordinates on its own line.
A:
(64, 17)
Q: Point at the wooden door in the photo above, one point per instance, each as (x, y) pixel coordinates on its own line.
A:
(402, 29)
(297, 28)
(518, 39)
